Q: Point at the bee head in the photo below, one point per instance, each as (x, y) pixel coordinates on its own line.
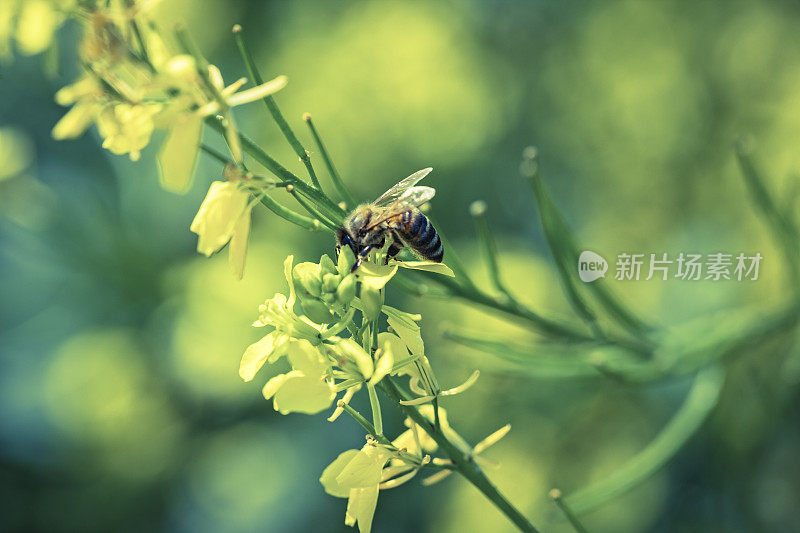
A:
(343, 239)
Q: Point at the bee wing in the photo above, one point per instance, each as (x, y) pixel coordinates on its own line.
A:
(416, 196)
(413, 197)
(401, 187)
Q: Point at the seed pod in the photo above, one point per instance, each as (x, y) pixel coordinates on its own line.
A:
(346, 290)
(330, 282)
(372, 301)
(306, 275)
(346, 260)
(316, 311)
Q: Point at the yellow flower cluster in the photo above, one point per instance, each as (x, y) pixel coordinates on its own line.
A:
(317, 355)
(31, 24)
(359, 475)
(134, 85)
(324, 364)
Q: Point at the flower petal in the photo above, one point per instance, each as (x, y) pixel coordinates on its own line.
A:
(255, 356)
(307, 359)
(428, 266)
(237, 249)
(362, 471)
(375, 276)
(287, 273)
(328, 478)
(409, 332)
(75, 121)
(384, 363)
(178, 154)
(361, 508)
(300, 394)
(274, 384)
(218, 215)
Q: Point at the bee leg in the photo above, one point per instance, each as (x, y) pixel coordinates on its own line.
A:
(393, 250)
(360, 257)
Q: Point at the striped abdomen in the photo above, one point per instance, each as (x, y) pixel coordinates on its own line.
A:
(418, 233)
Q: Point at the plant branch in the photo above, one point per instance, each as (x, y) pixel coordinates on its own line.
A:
(272, 106)
(338, 184)
(464, 464)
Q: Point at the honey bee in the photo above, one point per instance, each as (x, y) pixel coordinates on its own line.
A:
(393, 216)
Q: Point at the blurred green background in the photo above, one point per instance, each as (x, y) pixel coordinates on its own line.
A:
(120, 404)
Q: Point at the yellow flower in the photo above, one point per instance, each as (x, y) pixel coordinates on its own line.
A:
(304, 389)
(37, 22)
(127, 128)
(277, 312)
(233, 98)
(356, 475)
(87, 95)
(224, 216)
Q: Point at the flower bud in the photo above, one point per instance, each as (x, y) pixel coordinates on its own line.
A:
(328, 298)
(316, 311)
(346, 290)
(307, 276)
(182, 68)
(371, 301)
(330, 282)
(326, 266)
(346, 260)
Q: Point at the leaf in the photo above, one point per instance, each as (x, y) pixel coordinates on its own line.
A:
(178, 154)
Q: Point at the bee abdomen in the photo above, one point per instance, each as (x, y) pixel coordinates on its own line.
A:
(420, 235)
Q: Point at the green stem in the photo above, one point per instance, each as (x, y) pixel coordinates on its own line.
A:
(781, 225)
(339, 326)
(338, 184)
(463, 464)
(565, 263)
(215, 154)
(555, 494)
(280, 171)
(543, 325)
(478, 212)
(364, 423)
(272, 107)
(377, 419)
(311, 210)
(137, 33)
(567, 250)
(698, 404)
(292, 216)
